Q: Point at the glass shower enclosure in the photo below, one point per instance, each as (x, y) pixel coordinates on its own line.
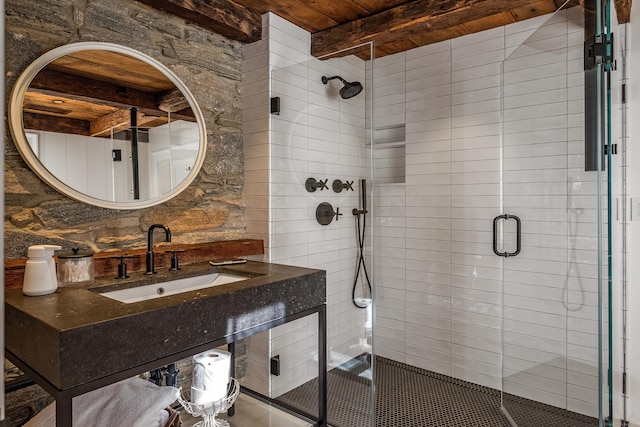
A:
(555, 296)
(490, 238)
(319, 154)
(485, 242)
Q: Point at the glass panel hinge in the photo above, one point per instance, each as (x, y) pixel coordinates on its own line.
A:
(599, 50)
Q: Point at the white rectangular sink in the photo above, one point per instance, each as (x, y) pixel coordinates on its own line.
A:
(159, 290)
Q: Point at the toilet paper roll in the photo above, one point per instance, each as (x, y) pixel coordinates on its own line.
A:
(211, 371)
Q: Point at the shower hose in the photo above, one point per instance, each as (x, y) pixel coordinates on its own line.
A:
(360, 232)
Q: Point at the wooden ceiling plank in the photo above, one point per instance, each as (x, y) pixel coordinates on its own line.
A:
(295, 11)
(536, 8)
(224, 17)
(407, 20)
(340, 11)
(488, 22)
(113, 67)
(376, 6)
(623, 10)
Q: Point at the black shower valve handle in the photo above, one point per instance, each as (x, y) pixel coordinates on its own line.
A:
(338, 186)
(311, 184)
(325, 213)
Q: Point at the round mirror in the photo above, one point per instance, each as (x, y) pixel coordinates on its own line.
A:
(107, 125)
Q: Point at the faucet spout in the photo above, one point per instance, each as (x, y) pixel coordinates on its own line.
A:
(150, 259)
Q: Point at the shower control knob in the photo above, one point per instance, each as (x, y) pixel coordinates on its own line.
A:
(325, 213)
(311, 184)
(338, 186)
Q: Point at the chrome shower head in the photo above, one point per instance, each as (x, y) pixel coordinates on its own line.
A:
(349, 90)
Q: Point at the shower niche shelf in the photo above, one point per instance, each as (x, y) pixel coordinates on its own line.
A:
(389, 154)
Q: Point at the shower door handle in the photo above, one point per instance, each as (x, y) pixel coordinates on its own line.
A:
(506, 217)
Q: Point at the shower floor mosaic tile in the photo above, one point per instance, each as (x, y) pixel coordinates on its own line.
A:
(413, 397)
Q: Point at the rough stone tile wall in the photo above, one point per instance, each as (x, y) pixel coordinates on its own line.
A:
(210, 209)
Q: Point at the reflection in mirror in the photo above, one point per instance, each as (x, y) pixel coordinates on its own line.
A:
(115, 128)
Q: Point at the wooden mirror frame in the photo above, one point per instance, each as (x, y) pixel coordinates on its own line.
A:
(16, 125)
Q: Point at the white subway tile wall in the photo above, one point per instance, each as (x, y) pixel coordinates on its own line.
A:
(316, 135)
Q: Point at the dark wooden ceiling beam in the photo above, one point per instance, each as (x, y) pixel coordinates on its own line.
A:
(42, 122)
(221, 16)
(173, 101)
(414, 18)
(114, 122)
(393, 23)
(84, 89)
(55, 83)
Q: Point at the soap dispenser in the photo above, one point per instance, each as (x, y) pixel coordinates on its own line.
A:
(40, 271)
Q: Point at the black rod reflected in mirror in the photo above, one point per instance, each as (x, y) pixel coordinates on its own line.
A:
(134, 153)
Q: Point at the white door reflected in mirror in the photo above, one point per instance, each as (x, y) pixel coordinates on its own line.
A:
(169, 156)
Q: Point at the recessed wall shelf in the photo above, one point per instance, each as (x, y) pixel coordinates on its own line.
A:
(389, 154)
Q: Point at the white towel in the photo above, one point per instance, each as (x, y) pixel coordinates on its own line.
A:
(133, 402)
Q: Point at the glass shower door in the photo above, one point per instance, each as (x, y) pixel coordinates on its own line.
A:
(319, 147)
(547, 233)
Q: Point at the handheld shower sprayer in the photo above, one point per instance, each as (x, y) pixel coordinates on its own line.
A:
(360, 231)
(349, 90)
(363, 198)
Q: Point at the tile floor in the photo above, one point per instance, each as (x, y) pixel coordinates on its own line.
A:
(253, 413)
(407, 396)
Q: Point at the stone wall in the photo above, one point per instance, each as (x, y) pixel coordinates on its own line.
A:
(210, 209)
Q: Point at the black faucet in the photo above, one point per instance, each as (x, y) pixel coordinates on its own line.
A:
(150, 267)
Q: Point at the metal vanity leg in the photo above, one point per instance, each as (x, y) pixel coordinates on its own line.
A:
(64, 414)
(322, 366)
(232, 349)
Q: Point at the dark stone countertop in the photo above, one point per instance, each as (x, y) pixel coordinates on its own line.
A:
(75, 335)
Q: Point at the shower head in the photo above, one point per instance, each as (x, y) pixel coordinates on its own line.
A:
(349, 90)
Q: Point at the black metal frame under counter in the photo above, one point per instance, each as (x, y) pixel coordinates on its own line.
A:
(75, 327)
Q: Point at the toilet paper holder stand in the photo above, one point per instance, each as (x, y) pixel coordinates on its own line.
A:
(209, 411)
